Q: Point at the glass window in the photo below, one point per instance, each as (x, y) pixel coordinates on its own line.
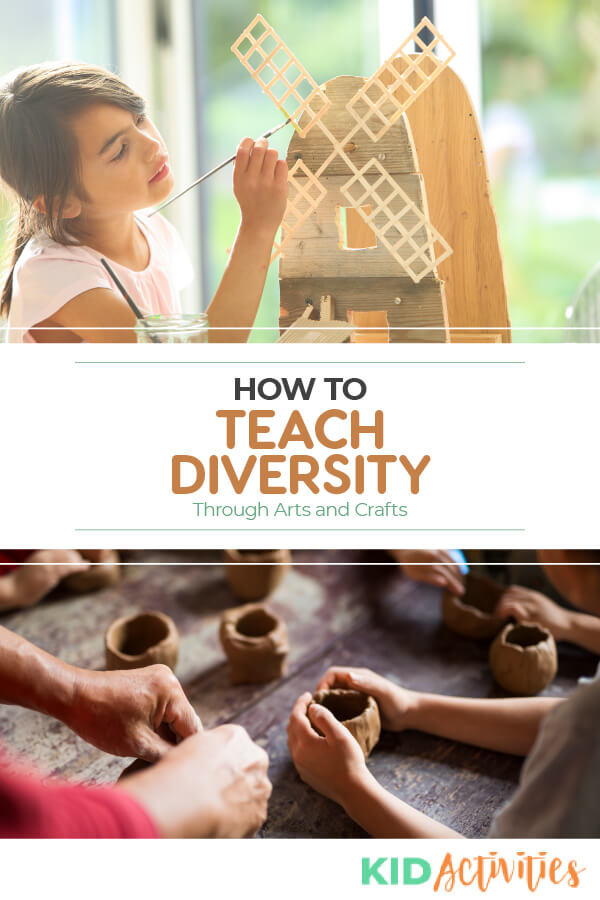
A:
(64, 29)
(541, 88)
(339, 37)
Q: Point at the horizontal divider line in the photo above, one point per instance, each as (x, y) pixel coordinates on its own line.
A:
(301, 362)
(291, 530)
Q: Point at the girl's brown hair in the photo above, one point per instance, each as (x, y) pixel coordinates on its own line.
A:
(38, 154)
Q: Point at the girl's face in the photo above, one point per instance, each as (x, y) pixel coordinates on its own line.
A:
(124, 162)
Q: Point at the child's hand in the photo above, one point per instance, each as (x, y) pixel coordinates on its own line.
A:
(333, 765)
(431, 567)
(29, 584)
(96, 556)
(395, 703)
(531, 606)
(260, 186)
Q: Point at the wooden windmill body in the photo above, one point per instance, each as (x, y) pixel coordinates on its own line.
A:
(314, 261)
(357, 227)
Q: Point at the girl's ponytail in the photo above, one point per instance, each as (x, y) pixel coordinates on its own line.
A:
(24, 229)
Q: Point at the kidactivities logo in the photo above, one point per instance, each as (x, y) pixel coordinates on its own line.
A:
(474, 871)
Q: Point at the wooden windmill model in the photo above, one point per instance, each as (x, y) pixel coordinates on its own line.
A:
(356, 229)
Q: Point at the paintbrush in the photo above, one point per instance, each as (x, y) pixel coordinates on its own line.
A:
(132, 304)
(222, 165)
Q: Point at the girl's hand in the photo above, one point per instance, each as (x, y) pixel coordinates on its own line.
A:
(260, 186)
(434, 567)
(334, 764)
(531, 606)
(396, 704)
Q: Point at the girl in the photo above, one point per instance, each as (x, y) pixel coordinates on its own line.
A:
(82, 157)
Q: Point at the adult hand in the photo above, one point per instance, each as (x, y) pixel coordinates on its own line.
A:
(126, 713)
(260, 185)
(436, 567)
(396, 704)
(531, 606)
(332, 764)
(30, 583)
(214, 784)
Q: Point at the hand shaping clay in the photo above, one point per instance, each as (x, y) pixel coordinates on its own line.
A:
(523, 659)
(254, 582)
(472, 615)
(255, 642)
(358, 713)
(96, 577)
(144, 639)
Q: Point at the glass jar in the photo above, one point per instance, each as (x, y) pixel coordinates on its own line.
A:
(184, 328)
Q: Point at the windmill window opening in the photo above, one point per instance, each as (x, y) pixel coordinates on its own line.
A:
(354, 232)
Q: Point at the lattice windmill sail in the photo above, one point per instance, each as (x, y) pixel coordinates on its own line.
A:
(280, 74)
(354, 151)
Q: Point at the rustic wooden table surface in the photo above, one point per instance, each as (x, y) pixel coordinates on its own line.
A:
(355, 615)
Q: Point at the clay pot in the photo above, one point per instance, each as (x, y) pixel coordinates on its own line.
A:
(523, 659)
(472, 614)
(255, 642)
(356, 711)
(252, 582)
(143, 639)
(96, 577)
(138, 765)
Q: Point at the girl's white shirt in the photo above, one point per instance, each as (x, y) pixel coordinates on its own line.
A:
(48, 275)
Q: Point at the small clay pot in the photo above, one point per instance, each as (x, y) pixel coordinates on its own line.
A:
(144, 639)
(138, 765)
(96, 577)
(472, 615)
(356, 711)
(255, 642)
(254, 582)
(523, 659)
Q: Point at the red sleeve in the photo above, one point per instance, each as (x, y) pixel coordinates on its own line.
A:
(31, 808)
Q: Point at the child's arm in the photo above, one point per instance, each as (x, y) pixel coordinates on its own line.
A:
(27, 585)
(96, 316)
(507, 726)
(118, 712)
(565, 624)
(334, 765)
(436, 567)
(260, 187)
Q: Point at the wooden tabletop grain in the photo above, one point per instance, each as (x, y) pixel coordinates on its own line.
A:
(357, 615)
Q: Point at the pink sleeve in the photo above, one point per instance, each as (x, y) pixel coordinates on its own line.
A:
(30, 808)
(45, 282)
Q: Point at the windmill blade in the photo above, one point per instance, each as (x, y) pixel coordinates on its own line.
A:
(393, 88)
(280, 74)
(305, 192)
(396, 220)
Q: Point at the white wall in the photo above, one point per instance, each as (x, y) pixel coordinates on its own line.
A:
(164, 76)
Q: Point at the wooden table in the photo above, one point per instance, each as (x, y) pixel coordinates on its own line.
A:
(336, 614)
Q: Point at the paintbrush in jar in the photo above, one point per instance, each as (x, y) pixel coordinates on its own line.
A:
(132, 304)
